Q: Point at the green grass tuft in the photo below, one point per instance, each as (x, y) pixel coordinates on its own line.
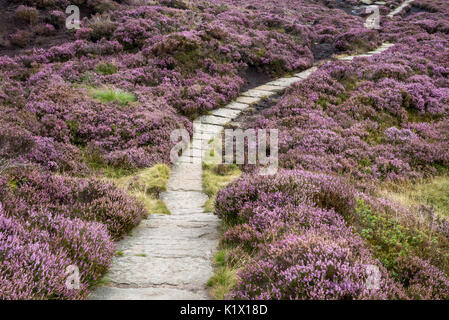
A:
(113, 95)
(224, 278)
(140, 255)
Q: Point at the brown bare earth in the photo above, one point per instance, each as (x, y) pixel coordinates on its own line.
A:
(11, 25)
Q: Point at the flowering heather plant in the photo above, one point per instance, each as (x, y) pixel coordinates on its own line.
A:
(295, 226)
(48, 223)
(310, 235)
(362, 119)
(304, 250)
(86, 199)
(382, 118)
(41, 245)
(314, 265)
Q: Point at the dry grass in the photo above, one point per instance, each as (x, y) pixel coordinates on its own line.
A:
(215, 178)
(433, 193)
(146, 185)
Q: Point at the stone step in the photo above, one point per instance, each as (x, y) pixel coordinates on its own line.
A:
(182, 272)
(247, 100)
(237, 106)
(284, 82)
(182, 230)
(226, 113)
(152, 293)
(188, 185)
(212, 120)
(206, 128)
(267, 87)
(184, 199)
(194, 216)
(254, 93)
(185, 174)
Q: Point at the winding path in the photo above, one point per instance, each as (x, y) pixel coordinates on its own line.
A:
(170, 256)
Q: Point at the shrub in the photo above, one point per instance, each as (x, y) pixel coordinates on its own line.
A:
(314, 265)
(107, 68)
(14, 142)
(45, 29)
(41, 245)
(422, 280)
(294, 224)
(101, 26)
(21, 38)
(27, 14)
(86, 199)
(83, 33)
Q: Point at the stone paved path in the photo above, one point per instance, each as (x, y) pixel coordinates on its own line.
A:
(170, 256)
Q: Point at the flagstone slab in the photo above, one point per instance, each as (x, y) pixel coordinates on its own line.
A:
(306, 73)
(257, 93)
(212, 120)
(226, 113)
(267, 87)
(284, 82)
(237, 105)
(247, 100)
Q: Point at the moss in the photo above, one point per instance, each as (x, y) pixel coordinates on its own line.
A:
(106, 95)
